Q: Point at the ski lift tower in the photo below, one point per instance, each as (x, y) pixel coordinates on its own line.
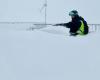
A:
(45, 12)
(44, 7)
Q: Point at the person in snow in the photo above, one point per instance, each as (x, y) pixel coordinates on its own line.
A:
(77, 25)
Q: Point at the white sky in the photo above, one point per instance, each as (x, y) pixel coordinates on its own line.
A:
(29, 10)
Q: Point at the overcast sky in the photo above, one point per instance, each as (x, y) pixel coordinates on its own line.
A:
(57, 11)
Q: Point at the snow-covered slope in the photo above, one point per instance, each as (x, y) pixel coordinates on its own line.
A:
(48, 54)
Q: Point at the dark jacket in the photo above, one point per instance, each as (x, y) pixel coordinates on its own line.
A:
(75, 24)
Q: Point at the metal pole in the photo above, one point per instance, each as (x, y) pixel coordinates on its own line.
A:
(45, 12)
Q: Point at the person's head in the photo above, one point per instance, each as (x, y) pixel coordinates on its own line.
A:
(73, 13)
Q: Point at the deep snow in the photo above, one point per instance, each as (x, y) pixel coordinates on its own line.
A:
(48, 54)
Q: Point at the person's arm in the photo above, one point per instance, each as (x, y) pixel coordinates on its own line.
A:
(64, 24)
(61, 24)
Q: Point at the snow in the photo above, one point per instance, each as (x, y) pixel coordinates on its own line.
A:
(48, 54)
